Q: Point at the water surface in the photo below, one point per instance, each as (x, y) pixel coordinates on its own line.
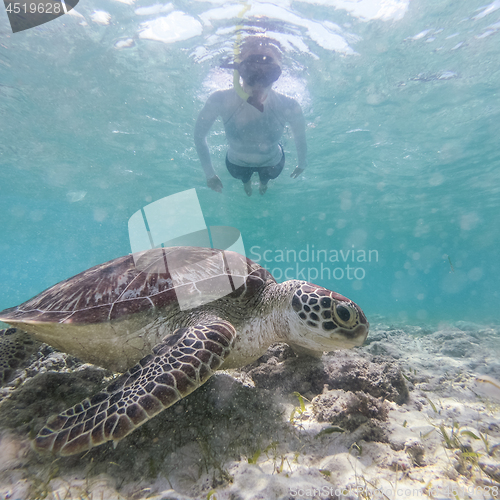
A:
(401, 103)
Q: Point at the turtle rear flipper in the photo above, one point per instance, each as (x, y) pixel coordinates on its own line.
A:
(16, 347)
(177, 366)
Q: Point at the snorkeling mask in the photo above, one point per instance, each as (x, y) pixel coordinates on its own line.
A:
(255, 69)
(259, 69)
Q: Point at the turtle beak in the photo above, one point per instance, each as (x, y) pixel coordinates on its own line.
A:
(350, 338)
(361, 333)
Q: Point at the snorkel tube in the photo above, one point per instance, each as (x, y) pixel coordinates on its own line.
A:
(246, 97)
(237, 86)
(256, 69)
(236, 74)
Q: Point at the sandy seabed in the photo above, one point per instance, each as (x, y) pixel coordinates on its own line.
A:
(408, 415)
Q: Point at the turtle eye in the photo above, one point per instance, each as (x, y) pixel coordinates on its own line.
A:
(343, 313)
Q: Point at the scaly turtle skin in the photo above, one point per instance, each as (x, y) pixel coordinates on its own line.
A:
(127, 313)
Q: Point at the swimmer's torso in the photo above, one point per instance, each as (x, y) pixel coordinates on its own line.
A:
(253, 136)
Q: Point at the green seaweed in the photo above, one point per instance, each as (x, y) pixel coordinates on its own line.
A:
(40, 486)
(255, 457)
(329, 430)
(357, 447)
(451, 265)
(301, 401)
(433, 406)
(298, 411)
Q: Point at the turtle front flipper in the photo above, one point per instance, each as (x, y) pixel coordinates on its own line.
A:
(16, 347)
(179, 365)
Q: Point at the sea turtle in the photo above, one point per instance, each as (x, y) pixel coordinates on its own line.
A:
(172, 316)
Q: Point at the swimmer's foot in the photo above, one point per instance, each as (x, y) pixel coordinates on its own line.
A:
(248, 188)
(262, 188)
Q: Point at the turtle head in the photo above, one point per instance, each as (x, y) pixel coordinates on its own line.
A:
(324, 320)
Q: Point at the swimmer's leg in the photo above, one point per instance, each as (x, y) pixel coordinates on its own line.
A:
(267, 173)
(248, 187)
(244, 174)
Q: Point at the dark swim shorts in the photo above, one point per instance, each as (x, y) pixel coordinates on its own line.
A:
(265, 173)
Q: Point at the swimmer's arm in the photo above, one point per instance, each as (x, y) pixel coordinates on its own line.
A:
(205, 120)
(298, 126)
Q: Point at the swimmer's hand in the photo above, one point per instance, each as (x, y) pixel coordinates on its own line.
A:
(215, 183)
(296, 172)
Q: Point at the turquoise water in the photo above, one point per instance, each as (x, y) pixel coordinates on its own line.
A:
(402, 108)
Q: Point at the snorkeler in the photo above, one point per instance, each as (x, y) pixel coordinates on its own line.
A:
(254, 118)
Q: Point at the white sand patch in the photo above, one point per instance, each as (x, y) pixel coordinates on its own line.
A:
(74, 196)
(124, 44)
(154, 9)
(323, 33)
(101, 17)
(386, 10)
(172, 28)
(489, 9)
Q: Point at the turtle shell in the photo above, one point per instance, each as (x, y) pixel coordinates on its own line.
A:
(110, 303)
(138, 282)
